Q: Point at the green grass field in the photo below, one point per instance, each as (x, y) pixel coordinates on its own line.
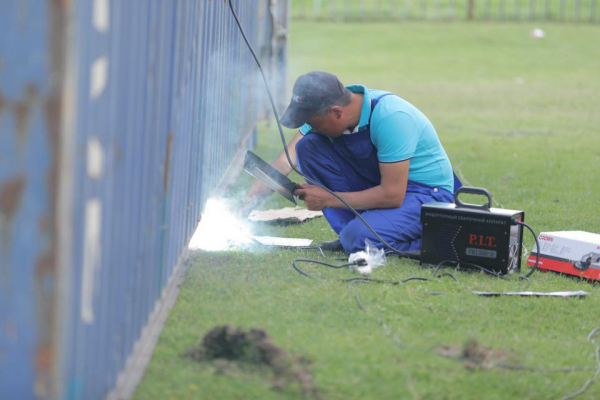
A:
(503, 10)
(517, 116)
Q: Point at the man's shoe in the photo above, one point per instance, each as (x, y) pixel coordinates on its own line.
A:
(333, 245)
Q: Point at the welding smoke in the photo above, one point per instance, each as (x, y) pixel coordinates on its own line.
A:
(219, 229)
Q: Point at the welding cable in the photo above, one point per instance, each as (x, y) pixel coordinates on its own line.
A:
(537, 244)
(589, 382)
(363, 279)
(360, 262)
(386, 244)
(437, 268)
(511, 367)
(482, 269)
(367, 279)
(487, 271)
(448, 274)
(312, 248)
(412, 278)
(459, 263)
(383, 325)
(526, 279)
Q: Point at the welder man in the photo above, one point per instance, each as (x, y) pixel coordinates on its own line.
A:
(375, 150)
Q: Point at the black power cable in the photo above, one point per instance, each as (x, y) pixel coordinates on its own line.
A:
(537, 244)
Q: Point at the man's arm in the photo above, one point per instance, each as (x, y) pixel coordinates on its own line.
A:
(389, 194)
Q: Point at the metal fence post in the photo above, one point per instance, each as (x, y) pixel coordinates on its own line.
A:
(470, 10)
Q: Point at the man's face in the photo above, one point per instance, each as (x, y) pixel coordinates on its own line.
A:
(329, 125)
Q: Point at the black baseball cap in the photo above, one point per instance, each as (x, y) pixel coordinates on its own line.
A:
(312, 92)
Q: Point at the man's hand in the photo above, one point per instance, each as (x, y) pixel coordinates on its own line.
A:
(315, 198)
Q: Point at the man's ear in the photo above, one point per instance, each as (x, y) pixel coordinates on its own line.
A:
(337, 111)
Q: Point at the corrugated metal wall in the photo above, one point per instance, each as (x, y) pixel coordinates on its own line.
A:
(117, 119)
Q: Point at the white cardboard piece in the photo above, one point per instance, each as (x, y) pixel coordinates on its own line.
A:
(282, 241)
(577, 293)
(287, 214)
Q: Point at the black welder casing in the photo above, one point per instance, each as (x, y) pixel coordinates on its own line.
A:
(469, 233)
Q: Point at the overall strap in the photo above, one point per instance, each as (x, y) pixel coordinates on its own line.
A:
(375, 101)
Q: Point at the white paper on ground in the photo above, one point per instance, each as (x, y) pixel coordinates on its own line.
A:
(578, 293)
(281, 241)
(287, 214)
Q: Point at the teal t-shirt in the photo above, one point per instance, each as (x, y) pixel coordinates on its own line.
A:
(399, 131)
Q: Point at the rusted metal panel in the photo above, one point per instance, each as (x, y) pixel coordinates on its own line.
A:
(31, 54)
(117, 121)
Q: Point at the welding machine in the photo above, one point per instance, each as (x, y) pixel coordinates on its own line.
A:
(464, 234)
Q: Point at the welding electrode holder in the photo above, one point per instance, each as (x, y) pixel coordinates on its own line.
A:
(477, 191)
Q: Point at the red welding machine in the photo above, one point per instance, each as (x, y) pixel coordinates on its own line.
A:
(465, 233)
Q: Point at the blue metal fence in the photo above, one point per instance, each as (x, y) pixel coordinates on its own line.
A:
(117, 120)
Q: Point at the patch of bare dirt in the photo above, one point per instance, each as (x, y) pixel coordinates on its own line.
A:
(473, 354)
(230, 349)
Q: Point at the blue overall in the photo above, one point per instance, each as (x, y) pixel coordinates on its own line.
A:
(349, 163)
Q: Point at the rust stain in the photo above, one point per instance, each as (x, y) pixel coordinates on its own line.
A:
(3, 103)
(53, 110)
(23, 110)
(44, 357)
(11, 193)
(10, 196)
(167, 163)
(45, 286)
(45, 268)
(118, 153)
(46, 265)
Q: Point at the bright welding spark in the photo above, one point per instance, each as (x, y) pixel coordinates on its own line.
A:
(219, 229)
